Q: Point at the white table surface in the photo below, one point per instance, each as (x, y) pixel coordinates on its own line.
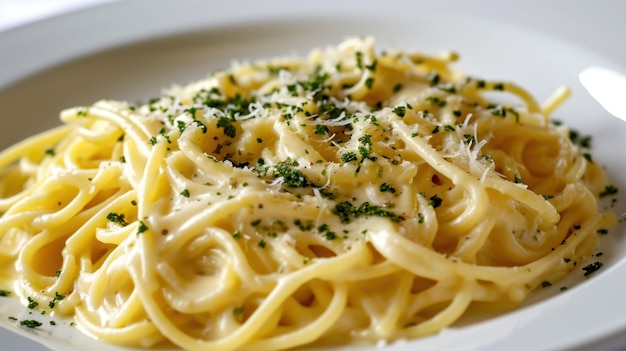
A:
(15, 13)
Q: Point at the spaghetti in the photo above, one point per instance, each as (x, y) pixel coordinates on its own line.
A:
(350, 196)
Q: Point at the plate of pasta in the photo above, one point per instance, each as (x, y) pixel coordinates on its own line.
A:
(246, 183)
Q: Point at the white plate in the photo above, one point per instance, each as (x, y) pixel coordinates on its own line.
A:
(129, 50)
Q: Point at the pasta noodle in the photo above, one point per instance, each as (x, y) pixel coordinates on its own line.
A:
(351, 196)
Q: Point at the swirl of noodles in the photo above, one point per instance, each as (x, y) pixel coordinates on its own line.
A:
(347, 197)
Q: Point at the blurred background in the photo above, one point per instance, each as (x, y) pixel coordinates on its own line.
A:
(14, 13)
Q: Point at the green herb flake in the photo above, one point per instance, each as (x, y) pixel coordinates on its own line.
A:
(321, 129)
(346, 211)
(591, 268)
(292, 177)
(226, 124)
(385, 187)
(435, 201)
(117, 218)
(608, 191)
(238, 313)
(348, 157)
(330, 235)
(185, 193)
(32, 303)
(142, 228)
(435, 101)
(57, 297)
(181, 126)
(30, 323)
(450, 89)
(359, 59)
(4, 293)
(469, 138)
(399, 110)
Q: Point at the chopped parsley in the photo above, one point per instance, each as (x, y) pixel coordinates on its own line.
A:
(608, 190)
(386, 187)
(591, 268)
(30, 323)
(142, 228)
(32, 303)
(185, 193)
(304, 226)
(328, 234)
(347, 211)
(348, 157)
(4, 293)
(291, 176)
(57, 297)
(238, 313)
(435, 201)
(399, 110)
(436, 101)
(321, 129)
(359, 59)
(117, 218)
(226, 124)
